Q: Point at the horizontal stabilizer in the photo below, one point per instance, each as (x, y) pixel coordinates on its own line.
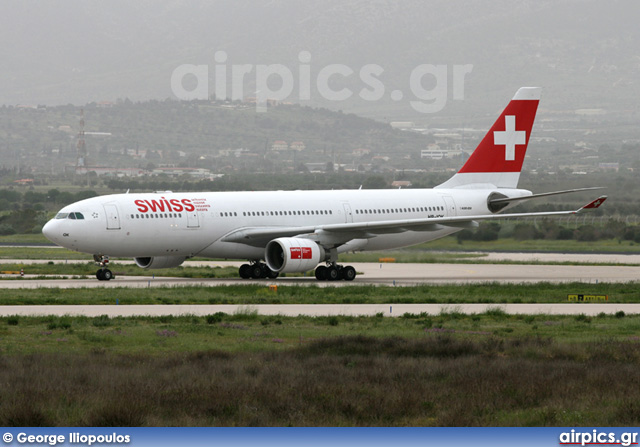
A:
(544, 194)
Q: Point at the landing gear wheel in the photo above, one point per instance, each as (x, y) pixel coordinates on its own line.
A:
(245, 271)
(321, 273)
(332, 274)
(257, 272)
(348, 273)
(271, 274)
(104, 275)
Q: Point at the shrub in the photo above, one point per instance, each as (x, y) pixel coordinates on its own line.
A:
(525, 231)
(102, 321)
(6, 229)
(215, 318)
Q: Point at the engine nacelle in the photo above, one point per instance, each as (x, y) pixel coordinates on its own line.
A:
(160, 262)
(293, 255)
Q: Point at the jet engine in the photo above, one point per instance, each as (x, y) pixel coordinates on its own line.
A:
(159, 262)
(293, 254)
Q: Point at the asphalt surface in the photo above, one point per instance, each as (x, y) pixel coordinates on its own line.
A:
(371, 273)
(385, 274)
(394, 310)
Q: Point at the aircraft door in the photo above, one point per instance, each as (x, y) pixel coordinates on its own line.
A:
(193, 221)
(450, 206)
(113, 218)
(348, 215)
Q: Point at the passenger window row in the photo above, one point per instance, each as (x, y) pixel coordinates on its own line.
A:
(279, 213)
(156, 216)
(270, 213)
(420, 209)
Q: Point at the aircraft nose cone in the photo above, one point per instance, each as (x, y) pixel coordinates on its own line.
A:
(49, 231)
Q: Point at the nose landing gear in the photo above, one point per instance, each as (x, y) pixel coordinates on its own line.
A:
(103, 273)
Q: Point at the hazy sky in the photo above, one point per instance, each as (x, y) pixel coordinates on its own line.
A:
(584, 53)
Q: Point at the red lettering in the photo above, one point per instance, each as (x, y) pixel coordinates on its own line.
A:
(188, 206)
(177, 207)
(296, 253)
(306, 253)
(154, 205)
(141, 206)
(168, 204)
(163, 204)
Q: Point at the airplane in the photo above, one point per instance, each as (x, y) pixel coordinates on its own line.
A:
(297, 231)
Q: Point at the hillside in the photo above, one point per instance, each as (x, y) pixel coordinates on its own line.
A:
(199, 134)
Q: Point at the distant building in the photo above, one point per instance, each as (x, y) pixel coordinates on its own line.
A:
(401, 184)
(111, 172)
(361, 152)
(279, 145)
(615, 167)
(316, 167)
(199, 173)
(402, 124)
(24, 181)
(436, 152)
(297, 146)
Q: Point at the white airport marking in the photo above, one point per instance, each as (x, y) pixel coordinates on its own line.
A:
(509, 137)
(293, 310)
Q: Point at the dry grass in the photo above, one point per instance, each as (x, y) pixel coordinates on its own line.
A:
(354, 380)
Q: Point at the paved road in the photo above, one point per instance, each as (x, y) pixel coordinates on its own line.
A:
(378, 274)
(371, 273)
(394, 310)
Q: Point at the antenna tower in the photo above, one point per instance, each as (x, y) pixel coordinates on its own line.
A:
(81, 161)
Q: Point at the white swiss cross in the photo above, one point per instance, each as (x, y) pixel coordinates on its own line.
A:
(509, 137)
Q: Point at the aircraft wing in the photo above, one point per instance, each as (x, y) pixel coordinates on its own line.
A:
(338, 234)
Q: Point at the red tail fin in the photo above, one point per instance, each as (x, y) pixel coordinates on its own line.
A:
(498, 159)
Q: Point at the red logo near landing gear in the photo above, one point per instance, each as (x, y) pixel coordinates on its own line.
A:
(301, 252)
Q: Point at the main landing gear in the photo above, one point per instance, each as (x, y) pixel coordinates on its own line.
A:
(335, 272)
(257, 270)
(103, 273)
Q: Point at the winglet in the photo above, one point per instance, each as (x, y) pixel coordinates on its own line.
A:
(593, 204)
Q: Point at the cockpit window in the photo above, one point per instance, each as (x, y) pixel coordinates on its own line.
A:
(72, 216)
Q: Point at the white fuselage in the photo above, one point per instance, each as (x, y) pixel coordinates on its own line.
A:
(190, 224)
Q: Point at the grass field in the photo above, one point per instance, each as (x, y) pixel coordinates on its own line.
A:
(247, 370)
(247, 331)
(251, 370)
(302, 294)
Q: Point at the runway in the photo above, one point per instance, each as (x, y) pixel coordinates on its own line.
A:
(372, 274)
(381, 274)
(293, 310)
